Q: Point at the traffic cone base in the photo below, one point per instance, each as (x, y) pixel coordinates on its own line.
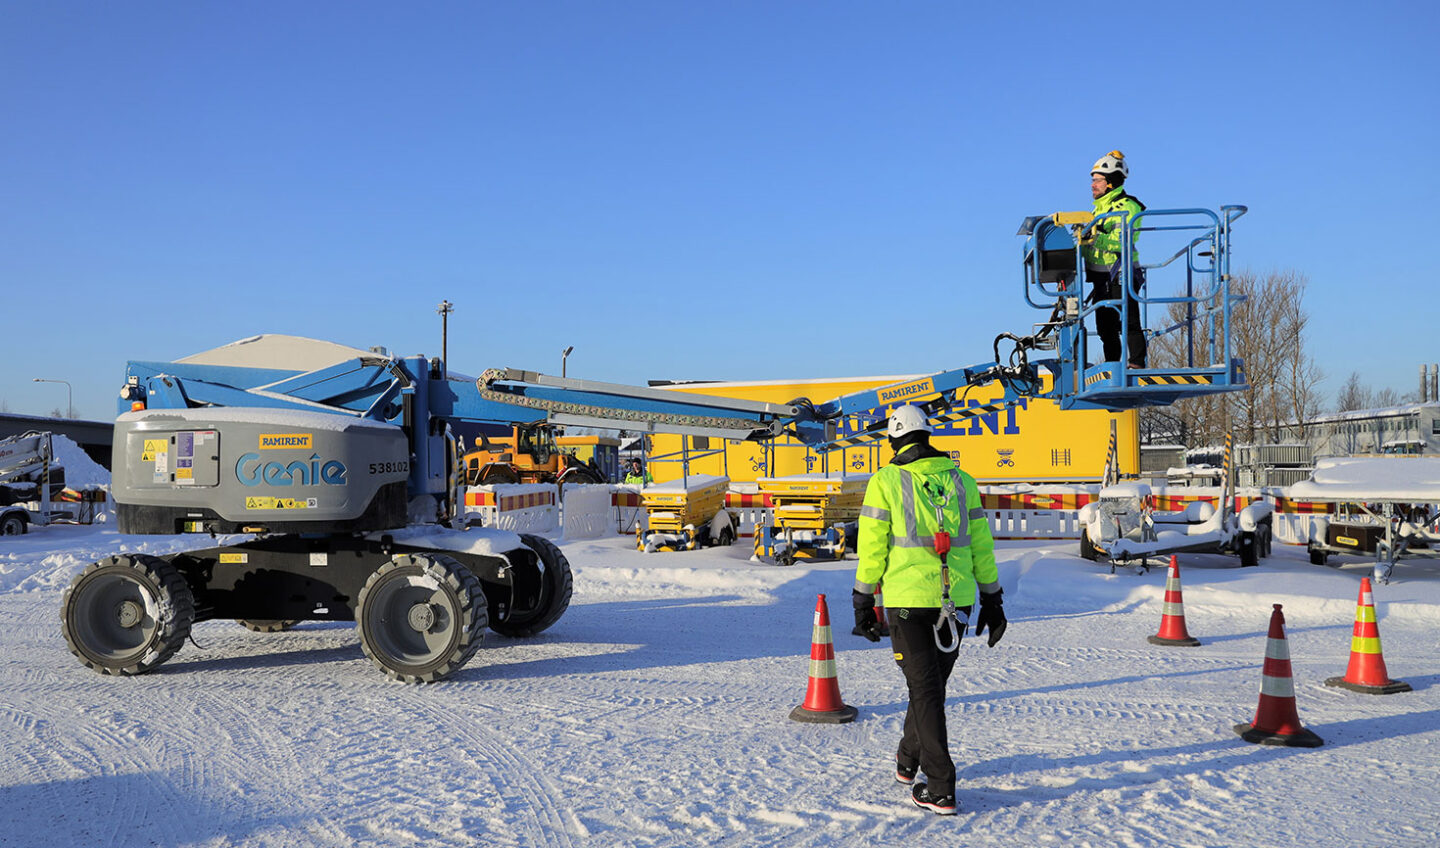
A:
(1172, 621)
(1366, 672)
(1186, 642)
(1384, 689)
(822, 694)
(1304, 738)
(844, 714)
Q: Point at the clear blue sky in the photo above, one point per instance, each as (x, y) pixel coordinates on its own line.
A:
(725, 190)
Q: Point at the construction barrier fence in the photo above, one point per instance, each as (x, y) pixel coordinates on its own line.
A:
(1015, 511)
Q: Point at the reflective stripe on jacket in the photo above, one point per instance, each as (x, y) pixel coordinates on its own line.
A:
(1103, 249)
(897, 535)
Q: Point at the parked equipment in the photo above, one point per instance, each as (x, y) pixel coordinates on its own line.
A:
(1122, 528)
(686, 514)
(342, 472)
(814, 517)
(1391, 502)
(31, 484)
(530, 455)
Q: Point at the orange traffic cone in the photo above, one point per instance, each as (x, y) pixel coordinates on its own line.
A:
(1366, 672)
(1276, 720)
(822, 695)
(1172, 621)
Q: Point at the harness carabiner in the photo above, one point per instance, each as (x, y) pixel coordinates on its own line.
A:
(947, 629)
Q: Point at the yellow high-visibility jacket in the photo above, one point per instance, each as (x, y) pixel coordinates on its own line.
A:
(897, 534)
(1107, 238)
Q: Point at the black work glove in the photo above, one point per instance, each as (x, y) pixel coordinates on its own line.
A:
(867, 623)
(992, 615)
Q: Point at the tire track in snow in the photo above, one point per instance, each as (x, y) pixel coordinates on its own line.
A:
(550, 822)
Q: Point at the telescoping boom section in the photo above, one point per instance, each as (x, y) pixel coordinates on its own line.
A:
(1183, 298)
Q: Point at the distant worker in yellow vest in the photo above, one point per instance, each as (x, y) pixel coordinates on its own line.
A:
(637, 475)
(925, 538)
(1105, 251)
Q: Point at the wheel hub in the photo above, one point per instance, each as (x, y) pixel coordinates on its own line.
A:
(129, 614)
(422, 617)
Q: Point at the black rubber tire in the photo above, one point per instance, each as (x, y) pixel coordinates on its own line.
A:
(1265, 538)
(498, 475)
(727, 537)
(13, 525)
(557, 586)
(1317, 557)
(1087, 549)
(267, 625)
(392, 603)
(1247, 546)
(582, 474)
(127, 614)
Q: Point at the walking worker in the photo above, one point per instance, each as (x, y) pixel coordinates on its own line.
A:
(1105, 251)
(924, 535)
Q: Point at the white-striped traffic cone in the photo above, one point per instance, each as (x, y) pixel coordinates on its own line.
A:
(1172, 621)
(822, 694)
(1276, 720)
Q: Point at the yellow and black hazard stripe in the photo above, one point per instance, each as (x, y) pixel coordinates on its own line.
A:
(859, 438)
(1176, 380)
(1097, 377)
(952, 415)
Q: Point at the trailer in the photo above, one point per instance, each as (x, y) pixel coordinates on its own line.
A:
(1389, 509)
(1123, 528)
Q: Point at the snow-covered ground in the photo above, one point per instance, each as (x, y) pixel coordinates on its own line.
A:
(655, 713)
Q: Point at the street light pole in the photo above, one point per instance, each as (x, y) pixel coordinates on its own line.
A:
(69, 394)
(446, 307)
(564, 355)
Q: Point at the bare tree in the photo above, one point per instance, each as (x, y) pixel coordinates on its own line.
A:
(57, 412)
(1353, 395)
(1386, 397)
(1267, 332)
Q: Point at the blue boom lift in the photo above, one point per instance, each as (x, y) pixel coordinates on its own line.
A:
(338, 466)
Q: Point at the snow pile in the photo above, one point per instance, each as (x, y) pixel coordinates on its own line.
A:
(474, 540)
(80, 469)
(1414, 479)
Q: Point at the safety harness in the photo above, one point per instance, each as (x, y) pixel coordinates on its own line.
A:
(948, 628)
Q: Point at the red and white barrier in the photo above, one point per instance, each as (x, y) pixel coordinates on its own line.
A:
(521, 508)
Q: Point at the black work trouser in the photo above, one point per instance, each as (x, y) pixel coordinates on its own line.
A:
(927, 668)
(1107, 319)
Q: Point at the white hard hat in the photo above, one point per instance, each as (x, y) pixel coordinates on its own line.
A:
(1112, 163)
(907, 419)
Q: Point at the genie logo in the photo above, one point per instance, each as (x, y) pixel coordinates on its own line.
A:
(251, 471)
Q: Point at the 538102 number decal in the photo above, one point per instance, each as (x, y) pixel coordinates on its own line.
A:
(402, 467)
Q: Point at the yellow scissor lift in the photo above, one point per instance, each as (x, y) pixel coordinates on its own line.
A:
(811, 514)
(685, 514)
